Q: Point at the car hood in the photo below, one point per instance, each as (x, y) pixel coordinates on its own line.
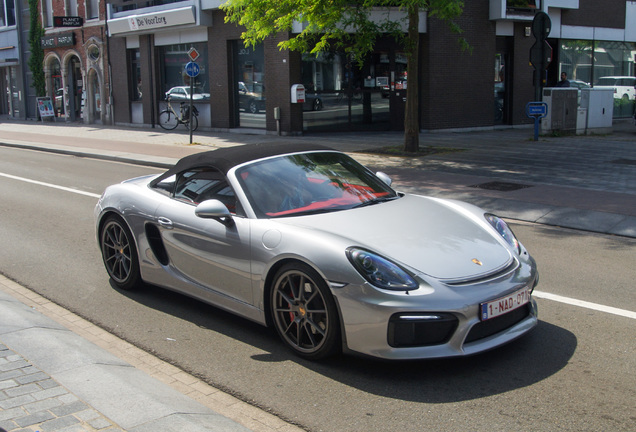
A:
(440, 238)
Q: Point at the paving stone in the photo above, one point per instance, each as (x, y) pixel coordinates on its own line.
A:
(11, 413)
(100, 423)
(13, 365)
(58, 423)
(6, 384)
(10, 374)
(23, 390)
(8, 425)
(72, 408)
(32, 419)
(31, 378)
(42, 405)
(49, 393)
(16, 401)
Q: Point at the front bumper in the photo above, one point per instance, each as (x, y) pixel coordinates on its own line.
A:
(440, 321)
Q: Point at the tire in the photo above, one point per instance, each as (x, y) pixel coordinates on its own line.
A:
(194, 123)
(168, 120)
(119, 253)
(316, 105)
(305, 319)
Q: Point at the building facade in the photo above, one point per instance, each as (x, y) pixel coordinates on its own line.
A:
(130, 54)
(14, 97)
(76, 59)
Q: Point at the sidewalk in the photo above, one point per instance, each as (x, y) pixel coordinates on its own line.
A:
(59, 373)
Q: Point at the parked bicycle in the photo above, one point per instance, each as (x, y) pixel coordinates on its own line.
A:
(169, 119)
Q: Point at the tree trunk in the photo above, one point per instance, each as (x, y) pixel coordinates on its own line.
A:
(411, 117)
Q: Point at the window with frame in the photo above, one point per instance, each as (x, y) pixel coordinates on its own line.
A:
(7, 13)
(47, 13)
(134, 74)
(92, 9)
(198, 185)
(173, 58)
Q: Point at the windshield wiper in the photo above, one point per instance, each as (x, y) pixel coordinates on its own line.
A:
(376, 201)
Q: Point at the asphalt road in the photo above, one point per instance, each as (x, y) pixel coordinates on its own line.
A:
(575, 372)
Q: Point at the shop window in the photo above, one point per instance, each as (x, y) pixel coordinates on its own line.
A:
(589, 63)
(173, 59)
(342, 95)
(250, 88)
(134, 74)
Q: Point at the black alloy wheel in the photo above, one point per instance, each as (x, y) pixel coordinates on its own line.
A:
(304, 312)
(119, 253)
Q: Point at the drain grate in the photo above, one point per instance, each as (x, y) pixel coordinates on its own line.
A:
(624, 161)
(501, 186)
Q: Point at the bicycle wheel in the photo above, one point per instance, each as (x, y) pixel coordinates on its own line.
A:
(194, 123)
(168, 120)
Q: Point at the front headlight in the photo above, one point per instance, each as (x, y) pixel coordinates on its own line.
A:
(504, 230)
(380, 272)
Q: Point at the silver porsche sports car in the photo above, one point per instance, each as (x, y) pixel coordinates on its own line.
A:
(307, 240)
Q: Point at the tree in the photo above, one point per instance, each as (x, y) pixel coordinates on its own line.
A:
(36, 32)
(346, 24)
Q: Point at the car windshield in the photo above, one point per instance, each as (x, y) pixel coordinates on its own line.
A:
(310, 183)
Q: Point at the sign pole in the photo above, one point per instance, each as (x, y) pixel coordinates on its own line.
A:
(190, 112)
(192, 70)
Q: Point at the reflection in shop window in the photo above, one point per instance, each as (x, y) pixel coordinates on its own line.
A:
(522, 4)
(591, 63)
(342, 95)
(173, 75)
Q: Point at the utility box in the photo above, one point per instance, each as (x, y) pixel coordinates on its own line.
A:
(600, 109)
(562, 109)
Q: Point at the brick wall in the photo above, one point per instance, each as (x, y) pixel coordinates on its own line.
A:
(457, 86)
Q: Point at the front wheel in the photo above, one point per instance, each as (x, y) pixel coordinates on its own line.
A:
(119, 253)
(304, 312)
(168, 120)
(192, 123)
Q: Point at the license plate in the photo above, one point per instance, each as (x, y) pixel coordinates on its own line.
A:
(504, 305)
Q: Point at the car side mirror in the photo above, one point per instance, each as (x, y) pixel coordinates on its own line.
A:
(385, 178)
(214, 209)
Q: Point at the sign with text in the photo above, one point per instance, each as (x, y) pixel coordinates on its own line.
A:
(58, 40)
(67, 21)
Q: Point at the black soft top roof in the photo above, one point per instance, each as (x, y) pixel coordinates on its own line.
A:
(226, 158)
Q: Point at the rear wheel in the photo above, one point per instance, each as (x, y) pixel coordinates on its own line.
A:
(193, 123)
(119, 253)
(168, 120)
(304, 312)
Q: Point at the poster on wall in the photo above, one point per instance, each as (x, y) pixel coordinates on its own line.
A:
(45, 107)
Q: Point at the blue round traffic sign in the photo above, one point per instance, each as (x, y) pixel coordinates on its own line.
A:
(192, 69)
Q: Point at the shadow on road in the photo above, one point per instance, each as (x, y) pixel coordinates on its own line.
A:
(524, 362)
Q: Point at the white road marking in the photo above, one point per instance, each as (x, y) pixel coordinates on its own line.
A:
(584, 304)
(79, 192)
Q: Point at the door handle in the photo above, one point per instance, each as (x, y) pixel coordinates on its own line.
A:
(165, 222)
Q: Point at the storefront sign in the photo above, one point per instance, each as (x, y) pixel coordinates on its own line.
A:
(152, 21)
(67, 21)
(59, 40)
